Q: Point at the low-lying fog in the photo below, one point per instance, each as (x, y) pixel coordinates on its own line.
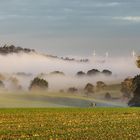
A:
(35, 64)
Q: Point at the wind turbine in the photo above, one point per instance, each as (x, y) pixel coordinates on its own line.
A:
(94, 53)
(133, 54)
(107, 54)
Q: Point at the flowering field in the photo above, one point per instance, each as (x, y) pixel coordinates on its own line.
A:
(70, 123)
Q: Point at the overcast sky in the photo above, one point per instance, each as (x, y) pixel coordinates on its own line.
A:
(72, 27)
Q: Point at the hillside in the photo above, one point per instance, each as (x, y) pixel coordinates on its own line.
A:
(12, 49)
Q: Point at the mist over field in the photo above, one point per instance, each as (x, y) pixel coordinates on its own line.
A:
(82, 56)
(35, 64)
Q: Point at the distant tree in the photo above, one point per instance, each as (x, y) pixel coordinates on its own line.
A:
(72, 90)
(126, 87)
(1, 84)
(12, 49)
(14, 83)
(135, 101)
(93, 72)
(108, 96)
(14, 80)
(100, 85)
(81, 73)
(38, 84)
(61, 91)
(57, 73)
(89, 89)
(2, 77)
(107, 72)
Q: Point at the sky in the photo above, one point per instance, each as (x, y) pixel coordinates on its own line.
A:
(72, 27)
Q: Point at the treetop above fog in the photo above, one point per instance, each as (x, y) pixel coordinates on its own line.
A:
(12, 49)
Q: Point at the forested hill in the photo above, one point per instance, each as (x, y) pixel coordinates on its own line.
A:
(12, 49)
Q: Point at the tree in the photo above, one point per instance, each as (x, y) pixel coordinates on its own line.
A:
(57, 73)
(72, 90)
(93, 72)
(100, 85)
(89, 88)
(126, 87)
(80, 73)
(2, 77)
(107, 72)
(108, 96)
(14, 83)
(1, 84)
(38, 84)
(135, 101)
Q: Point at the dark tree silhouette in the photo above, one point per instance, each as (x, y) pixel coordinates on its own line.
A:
(1, 84)
(135, 101)
(93, 72)
(6, 49)
(89, 89)
(72, 90)
(38, 84)
(57, 73)
(100, 85)
(107, 72)
(108, 96)
(126, 87)
(80, 73)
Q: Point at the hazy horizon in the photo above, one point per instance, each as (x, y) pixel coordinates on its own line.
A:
(76, 27)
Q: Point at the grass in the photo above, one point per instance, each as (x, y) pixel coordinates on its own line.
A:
(70, 123)
(39, 100)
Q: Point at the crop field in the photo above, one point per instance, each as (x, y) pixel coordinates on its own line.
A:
(70, 123)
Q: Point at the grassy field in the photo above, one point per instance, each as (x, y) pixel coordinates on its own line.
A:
(70, 123)
(51, 100)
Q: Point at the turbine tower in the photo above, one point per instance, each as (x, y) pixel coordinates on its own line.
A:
(94, 53)
(107, 54)
(133, 54)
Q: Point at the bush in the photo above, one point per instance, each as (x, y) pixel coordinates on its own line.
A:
(38, 84)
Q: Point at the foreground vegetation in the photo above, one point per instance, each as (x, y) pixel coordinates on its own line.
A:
(72, 123)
